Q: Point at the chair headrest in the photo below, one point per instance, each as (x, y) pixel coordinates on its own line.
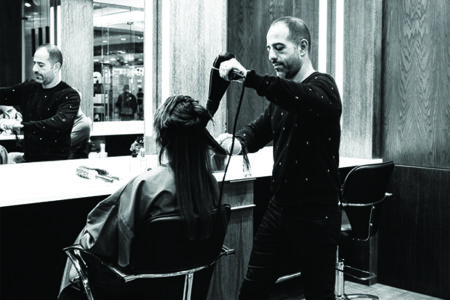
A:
(367, 183)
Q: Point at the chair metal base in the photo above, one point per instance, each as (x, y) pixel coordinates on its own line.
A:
(340, 283)
(357, 296)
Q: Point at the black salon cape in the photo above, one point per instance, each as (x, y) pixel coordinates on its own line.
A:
(110, 225)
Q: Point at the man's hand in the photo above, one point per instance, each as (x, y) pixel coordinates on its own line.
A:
(225, 140)
(232, 69)
(10, 124)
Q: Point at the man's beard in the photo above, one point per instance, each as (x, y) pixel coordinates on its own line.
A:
(39, 78)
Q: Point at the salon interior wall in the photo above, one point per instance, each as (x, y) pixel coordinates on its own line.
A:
(195, 33)
(248, 22)
(11, 13)
(76, 43)
(415, 237)
(395, 107)
(361, 86)
(235, 26)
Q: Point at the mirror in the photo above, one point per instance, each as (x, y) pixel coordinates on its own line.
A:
(103, 53)
(118, 61)
(118, 78)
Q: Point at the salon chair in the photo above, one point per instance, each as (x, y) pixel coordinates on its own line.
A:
(163, 263)
(362, 198)
(80, 139)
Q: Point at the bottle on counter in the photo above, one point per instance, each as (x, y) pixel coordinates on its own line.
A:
(93, 151)
(102, 153)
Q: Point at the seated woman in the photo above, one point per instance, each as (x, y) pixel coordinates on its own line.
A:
(182, 184)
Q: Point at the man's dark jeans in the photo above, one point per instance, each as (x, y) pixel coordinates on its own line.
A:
(304, 235)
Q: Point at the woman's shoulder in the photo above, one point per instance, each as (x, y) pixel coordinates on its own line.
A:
(160, 176)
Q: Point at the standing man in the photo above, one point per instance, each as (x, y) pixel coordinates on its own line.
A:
(127, 104)
(140, 104)
(49, 107)
(302, 119)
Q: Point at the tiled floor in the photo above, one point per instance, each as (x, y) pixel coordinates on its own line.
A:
(292, 290)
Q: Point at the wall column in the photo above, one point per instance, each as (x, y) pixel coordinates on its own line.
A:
(77, 42)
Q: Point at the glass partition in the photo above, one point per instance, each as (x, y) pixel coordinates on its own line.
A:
(118, 79)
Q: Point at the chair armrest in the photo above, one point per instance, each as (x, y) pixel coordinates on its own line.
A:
(227, 251)
(73, 252)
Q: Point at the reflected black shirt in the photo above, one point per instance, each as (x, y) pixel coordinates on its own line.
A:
(48, 116)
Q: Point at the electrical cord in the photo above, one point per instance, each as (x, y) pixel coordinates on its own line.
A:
(232, 140)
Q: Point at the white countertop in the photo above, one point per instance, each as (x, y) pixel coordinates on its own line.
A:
(101, 129)
(52, 181)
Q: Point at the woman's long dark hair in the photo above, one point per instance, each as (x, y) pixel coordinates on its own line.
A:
(179, 125)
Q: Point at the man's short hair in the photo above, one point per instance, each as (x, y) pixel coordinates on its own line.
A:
(54, 53)
(298, 30)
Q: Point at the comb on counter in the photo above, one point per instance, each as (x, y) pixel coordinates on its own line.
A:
(91, 173)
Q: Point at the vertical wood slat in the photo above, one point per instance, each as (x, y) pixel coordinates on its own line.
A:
(414, 244)
(414, 236)
(362, 78)
(309, 12)
(77, 39)
(417, 71)
(11, 42)
(197, 35)
(230, 270)
(248, 23)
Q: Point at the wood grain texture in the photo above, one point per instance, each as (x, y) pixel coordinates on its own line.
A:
(11, 42)
(309, 12)
(229, 272)
(77, 44)
(416, 66)
(414, 242)
(248, 22)
(362, 78)
(197, 36)
(414, 237)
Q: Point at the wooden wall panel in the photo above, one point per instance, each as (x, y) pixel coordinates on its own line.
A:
(10, 42)
(197, 36)
(248, 22)
(230, 270)
(77, 40)
(416, 82)
(309, 12)
(362, 78)
(414, 237)
(414, 240)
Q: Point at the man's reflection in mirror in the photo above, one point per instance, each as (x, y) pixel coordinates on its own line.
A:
(126, 105)
(49, 107)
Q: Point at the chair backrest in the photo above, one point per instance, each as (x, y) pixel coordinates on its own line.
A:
(363, 192)
(3, 156)
(160, 246)
(80, 137)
